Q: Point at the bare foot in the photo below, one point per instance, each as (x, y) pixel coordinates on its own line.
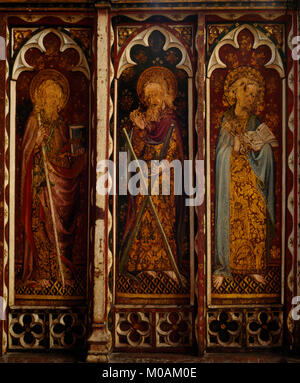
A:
(153, 274)
(44, 283)
(28, 283)
(172, 275)
(217, 281)
(259, 278)
(69, 282)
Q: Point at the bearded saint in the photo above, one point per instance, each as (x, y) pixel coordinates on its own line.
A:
(45, 128)
(151, 123)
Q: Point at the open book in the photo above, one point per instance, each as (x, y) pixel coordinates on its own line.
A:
(262, 135)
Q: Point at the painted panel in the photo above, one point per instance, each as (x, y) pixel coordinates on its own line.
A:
(153, 234)
(51, 81)
(247, 153)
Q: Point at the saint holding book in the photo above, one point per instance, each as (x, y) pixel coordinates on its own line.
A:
(50, 185)
(245, 200)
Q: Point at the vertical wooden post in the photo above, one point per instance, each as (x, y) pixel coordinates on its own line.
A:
(99, 342)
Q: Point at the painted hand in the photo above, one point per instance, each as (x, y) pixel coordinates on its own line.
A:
(236, 144)
(138, 119)
(41, 136)
(217, 281)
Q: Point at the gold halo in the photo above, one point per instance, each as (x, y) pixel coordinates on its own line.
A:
(239, 72)
(49, 74)
(157, 74)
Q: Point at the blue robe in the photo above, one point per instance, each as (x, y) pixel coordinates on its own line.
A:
(262, 163)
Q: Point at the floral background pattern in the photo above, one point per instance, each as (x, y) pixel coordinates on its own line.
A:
(75, 112)
(270, 112)
(145, 57)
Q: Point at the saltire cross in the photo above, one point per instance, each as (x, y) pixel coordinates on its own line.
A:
(148, 199)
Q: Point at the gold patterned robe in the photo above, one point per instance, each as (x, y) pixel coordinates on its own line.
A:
(148, 252)
(247, 219)
(245, 202)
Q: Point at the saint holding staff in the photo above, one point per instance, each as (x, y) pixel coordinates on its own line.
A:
(49, 185)
(153, 231)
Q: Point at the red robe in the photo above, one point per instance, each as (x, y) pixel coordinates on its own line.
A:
(64, 189)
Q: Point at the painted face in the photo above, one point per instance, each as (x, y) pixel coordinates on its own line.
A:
(50, 97)
(246, 93)
(154, 96)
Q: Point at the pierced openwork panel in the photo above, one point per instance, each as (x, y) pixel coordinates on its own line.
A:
(174, 329)
(44, 329)
(224, 328)
(264, 328)
(244, 328)
(28, 331)
(67, 330)
(151, 329)
(133, 329)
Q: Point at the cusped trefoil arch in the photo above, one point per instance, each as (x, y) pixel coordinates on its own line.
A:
(37, 41)
(260, 39)
(143, 39)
